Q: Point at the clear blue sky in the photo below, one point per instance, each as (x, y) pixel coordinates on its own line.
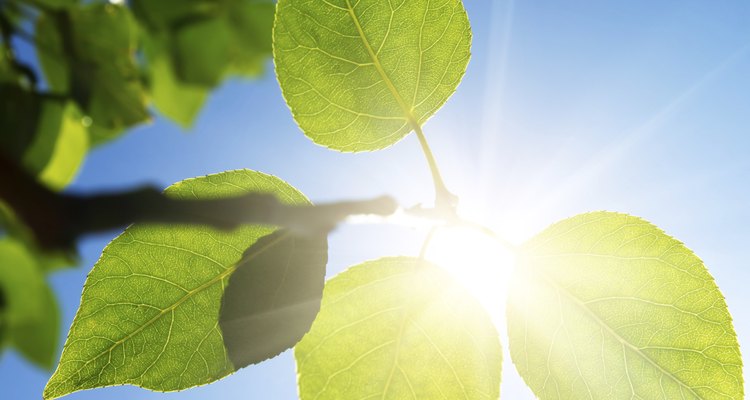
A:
(634, 106)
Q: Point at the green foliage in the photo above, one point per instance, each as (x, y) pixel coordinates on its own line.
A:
(399, 328)
(602, 305)
(606, 305)
(191, 46)
(360, 76)
(99, 68)
(60, 145)
(29, 317)
(101, 64)
(149, 313)
(175, 99)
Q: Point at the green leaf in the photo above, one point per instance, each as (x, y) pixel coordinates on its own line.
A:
(178, 101)
(250, 47)
(273, 296)
(208, 41)
(48, 137)
(89, 53)
(606, 305)
(149, 313)
(359, 75)
(202, 52)
(60, 144)
(38, 341)
(31, 316)
(399, 328)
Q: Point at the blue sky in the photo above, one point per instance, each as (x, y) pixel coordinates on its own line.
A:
(566, 107)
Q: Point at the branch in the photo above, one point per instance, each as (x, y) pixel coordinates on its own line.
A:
(58, 220)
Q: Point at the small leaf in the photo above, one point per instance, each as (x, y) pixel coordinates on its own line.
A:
(149, 313)
(358, 75)
(202, 52)
(38, 341)
(273, 296)
(60, 144)
(179, 101)
(250, 46)
(606, 305)
(208, 41)
(31, 317)
(399, 328)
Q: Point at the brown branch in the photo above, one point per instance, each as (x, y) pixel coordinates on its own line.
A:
(57, 220)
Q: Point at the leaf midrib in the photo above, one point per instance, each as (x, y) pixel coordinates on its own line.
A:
(176, 304)
(408, 115)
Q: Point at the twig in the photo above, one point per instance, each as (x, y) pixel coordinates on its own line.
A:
(58, 220)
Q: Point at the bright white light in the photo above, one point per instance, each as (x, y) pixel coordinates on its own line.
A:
(476, 260)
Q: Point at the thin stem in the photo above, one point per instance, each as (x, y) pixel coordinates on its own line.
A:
(443, 197)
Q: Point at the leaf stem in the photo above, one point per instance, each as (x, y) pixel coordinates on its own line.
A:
(444, 199)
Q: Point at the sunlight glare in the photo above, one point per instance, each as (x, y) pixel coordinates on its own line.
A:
(477, 261)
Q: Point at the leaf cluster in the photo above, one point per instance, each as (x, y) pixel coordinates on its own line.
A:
(101, 68)
(602, 305)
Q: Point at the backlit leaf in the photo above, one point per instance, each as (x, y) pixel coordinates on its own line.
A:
(60, 144)
(149, 313)
(399, 328)
(607, 306)
(358, 75)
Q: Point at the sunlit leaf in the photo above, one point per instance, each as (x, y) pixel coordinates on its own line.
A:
(60, 144)
(399, 328)
(149, 313)
(31, 317)
(607, 306)
(355, 73)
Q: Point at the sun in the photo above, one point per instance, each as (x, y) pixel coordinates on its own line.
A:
(477, 261)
